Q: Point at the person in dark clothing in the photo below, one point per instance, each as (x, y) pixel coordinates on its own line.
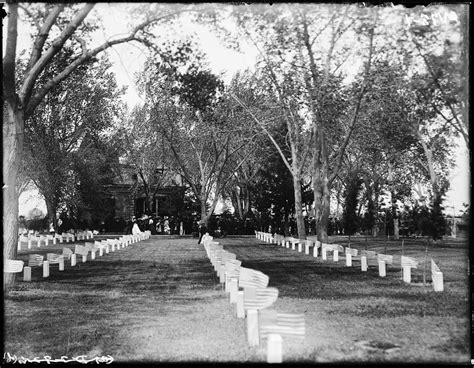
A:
(202, 230)
(128, 227)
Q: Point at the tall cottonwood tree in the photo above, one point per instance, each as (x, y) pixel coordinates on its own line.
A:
(242, 186)
(282, 101)
(401, 142)
(202, 136)
(323, 91)
(61, 122)
(96, 163)
(313, 100)
(56, 25)
(384, 149)
(144, 150)
(324, 36)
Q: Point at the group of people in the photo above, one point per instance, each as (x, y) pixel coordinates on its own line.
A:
(157, 225)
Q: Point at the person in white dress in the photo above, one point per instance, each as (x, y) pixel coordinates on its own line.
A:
(135, 229)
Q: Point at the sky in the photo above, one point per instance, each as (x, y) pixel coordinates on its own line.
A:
(128, 59)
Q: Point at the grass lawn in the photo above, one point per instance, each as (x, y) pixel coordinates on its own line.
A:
(159, 300)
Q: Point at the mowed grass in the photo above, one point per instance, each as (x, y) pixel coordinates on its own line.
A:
(159, 300)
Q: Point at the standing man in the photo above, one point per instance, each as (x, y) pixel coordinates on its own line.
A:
(202, 230)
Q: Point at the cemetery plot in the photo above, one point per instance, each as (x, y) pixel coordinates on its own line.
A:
(367, 258)
(37, 260)
(169, 284)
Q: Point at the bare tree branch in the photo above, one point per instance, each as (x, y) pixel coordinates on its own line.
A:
(43, 34)
(38, 66)
(10, 54)
(460, 125)
(265, 130)
(357, 107)
(28, 84)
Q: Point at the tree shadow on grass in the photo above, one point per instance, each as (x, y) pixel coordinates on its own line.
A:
(131, 276)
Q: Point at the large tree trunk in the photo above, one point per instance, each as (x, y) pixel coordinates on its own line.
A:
(322, 213)
(321, 188)
(13, 124)
(206, 215)
(204, 212)
(51, 206)
(396, 229)
(299, 207)
(430, 161)
(238, 203)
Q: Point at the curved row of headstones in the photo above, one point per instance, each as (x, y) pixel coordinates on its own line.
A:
(32, 239)
(367, 258)
(248, 290)
(100, 247)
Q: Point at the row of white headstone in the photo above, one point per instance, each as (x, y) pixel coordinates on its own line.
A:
(252, 301)
(32, 239)
(104, 246)
(406, 263)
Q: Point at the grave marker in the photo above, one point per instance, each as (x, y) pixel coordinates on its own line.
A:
(436, 277)
(26, 273)
(45, 269)
(274, 325)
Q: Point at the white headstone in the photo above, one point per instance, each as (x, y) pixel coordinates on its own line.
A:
(438, 281)
(274, 349)
(26, 273)
(348, 259)
(240, 304)
(45, 269)
(407, 274)
(233, 289)
(382, 272)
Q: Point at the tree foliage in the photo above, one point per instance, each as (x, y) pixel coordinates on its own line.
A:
(62, 132)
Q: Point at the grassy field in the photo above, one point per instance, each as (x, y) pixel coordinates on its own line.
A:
(159, 300)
